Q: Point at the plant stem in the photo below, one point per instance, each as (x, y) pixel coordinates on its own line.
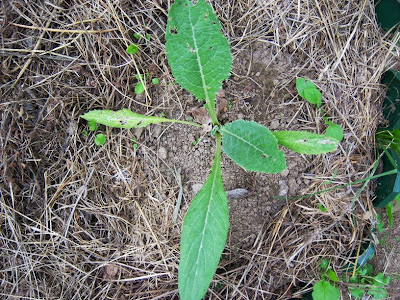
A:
(218, 147)
(210, 106)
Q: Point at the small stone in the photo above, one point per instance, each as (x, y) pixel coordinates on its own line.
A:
(258, 74)
(156, 131)
(240, 115)
(274, 124)
(283, 188)
(196, 187)
(162, 153)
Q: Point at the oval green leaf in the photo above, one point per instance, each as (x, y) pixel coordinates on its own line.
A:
(306, 142)
(197, 51)
(334, 131)
(252, 146)
(204, 233)
(100, 139)
(132, 49)
(332, 275)
(323, 290)
(139, 88)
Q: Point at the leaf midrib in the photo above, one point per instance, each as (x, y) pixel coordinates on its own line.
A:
(198, 57)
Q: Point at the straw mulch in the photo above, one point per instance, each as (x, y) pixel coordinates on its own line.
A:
(85, 222)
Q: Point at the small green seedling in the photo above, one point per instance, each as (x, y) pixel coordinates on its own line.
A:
(132, 49)
(364, 282)
(323, 289)
(100, 139)
(135, 145)
(196, 141)
(322, 208)
(143, 78)
(200, 60)
(92, 125)
(308, 91)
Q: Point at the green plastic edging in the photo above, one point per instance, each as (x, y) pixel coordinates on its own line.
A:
(387, 13)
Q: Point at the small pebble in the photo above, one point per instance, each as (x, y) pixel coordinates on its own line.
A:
(196, 187)
(162, 153)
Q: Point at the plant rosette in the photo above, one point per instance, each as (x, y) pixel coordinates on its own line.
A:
(200, 60)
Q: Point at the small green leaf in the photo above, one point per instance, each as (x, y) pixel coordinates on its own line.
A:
(377, 292)
(136, 35)
(252, 146)
(334, 131)
(308, 91)
(332, 275)
(356, 292)
(381, 280)
(139, 88)
(306, 142)
(321, 207)
(204, 233)
(132, 49)
(389, 212)
(155, 80)
(323, 290)
(92, 126)
(196, 141)
(148, 37)
(84, 132)
(124, 118)
(198, 53)
(379, 223)
(100, 139)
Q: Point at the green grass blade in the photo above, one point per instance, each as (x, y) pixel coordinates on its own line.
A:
(252, 146)
(306, 142)
(126, 118)
(197, 51)
(204, 233)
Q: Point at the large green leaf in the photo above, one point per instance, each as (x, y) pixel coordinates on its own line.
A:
(198, 53)
(323, 290)
(125, 118)
(306, 142)
(252, 146)
(204, 233)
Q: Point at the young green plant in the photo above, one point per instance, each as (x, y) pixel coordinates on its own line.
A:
(200, 60)
(323, 289)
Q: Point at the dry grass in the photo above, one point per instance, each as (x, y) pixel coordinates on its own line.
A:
(79, 221)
